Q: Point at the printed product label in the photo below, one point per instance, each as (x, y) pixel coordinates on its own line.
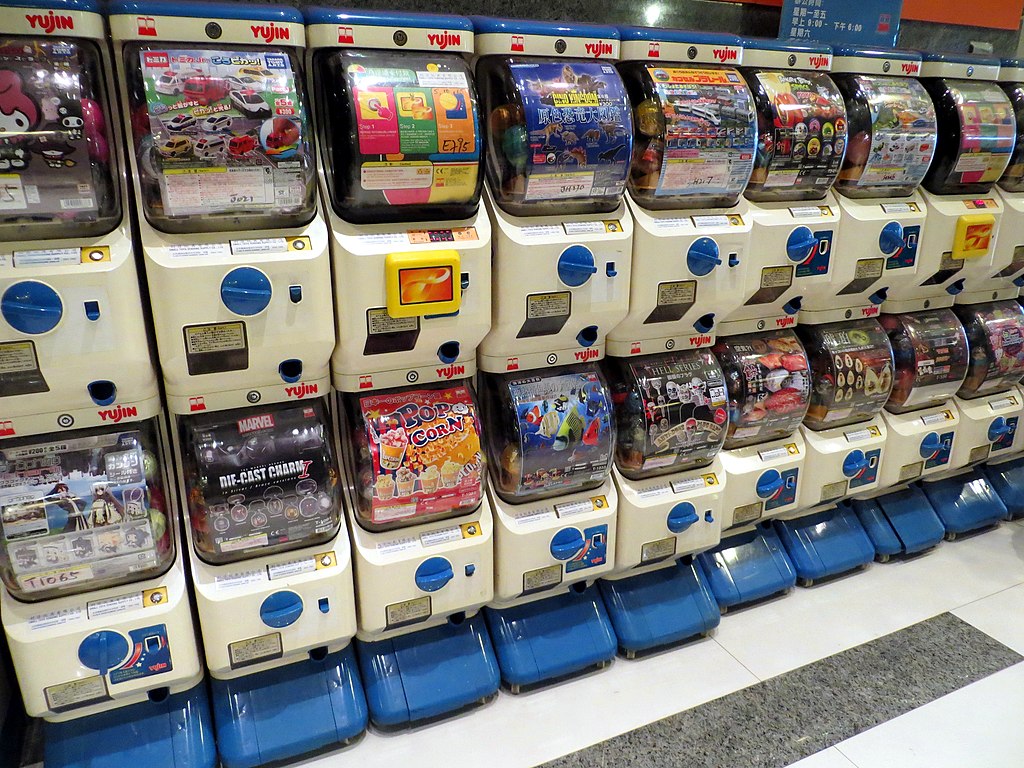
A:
(379, 321)
(979, 453)
(901, 142)
(709, 135)
(114, 605)
(564, 425)
(930, 352)
(424, 452)
(56, 618)
(228, 130)
(852, 371)
(542, 578)
(579, 129)
(254, 650)
(653, 551)
(46, 126)
(804, 146)
(775, 281)
(747, 513)
(19, 369)
(987, 132)
(80, 510)
(261, 479)
(408, 612)
(76, 693)
(674, 412)
(594, 552)
(995, 338)
(418, 138)
(831, 491)
(910, 471)
(541, 305)
(769, 385)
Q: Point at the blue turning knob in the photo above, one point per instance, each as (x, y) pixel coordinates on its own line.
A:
(890, 239)
(245, 291)
(576, 265)
(433, 573)
(281, 609)
(682, 516)
(702, 256)
(997, 429)
(103, 650)
(31, 307)
(567, 543)
(769, 483)
(800, 244)
(854, 463)
(930, 445)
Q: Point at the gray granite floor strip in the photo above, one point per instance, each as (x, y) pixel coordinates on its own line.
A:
(794, 715)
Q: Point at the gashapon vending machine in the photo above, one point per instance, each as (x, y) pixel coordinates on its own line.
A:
(694, 141)
(957, 258)
(401, 143)
(931, 358)
(768, 385)
(990, 406)
(94, 599)
(695, 135)
(891, 141)
(802, 135)
(845, 435)
(236, 254)
(560, 138)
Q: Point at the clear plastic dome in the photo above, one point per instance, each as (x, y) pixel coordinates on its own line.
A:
(83, 511)
(695, 134)
(261, 480)
(802, 134)
(560, 134)
(550, 433)
(1012, 179)
(670, 411)
(768, 380)
(402, 139)
(58, 174)
(851, 371)
(893, 135)
(977, 133)
(930, 353)
(221, 138)
(995, 341)
(417, 454)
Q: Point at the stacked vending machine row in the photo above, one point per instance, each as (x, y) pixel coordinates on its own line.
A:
(695, 136)
(236, 255)
(892, 139)
(560, 139)
(1006, 471)
(94, 599)
(401, 145)
(801, 141)
(990, 405)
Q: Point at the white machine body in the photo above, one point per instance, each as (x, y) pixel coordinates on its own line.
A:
(774, 278)
(776, 467)
(539, 321)
(100, 337)
(665, 518)
(857, 283)
(146, 614)
(989, 427)
(361, 305)
(670, 307)
(842, 461)
(919, 444)
(541, 548)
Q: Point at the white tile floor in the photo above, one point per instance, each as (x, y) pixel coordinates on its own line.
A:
(980, 579)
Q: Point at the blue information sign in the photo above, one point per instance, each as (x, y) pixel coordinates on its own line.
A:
(850, 22)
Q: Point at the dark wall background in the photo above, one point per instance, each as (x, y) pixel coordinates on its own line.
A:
(709, 15)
